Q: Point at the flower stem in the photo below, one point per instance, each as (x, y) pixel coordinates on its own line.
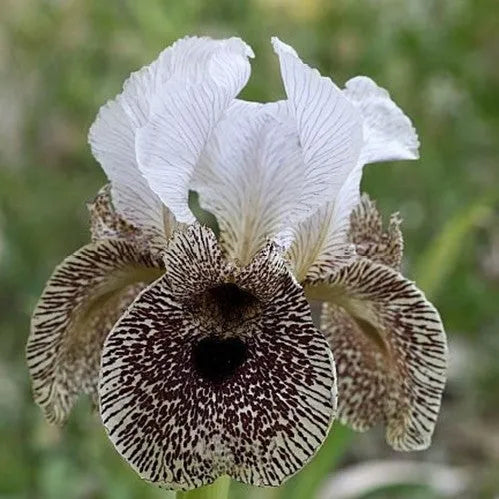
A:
(219, 489)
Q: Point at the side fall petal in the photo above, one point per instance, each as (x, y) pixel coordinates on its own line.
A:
(107, 223)
(81, 302)
(390, 348)
(371, 240)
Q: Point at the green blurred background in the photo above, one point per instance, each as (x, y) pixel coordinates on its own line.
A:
(61, 59)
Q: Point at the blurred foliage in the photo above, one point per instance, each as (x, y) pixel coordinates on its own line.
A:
(61, 59)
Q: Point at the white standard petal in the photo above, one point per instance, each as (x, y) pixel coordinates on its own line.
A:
(388, 132)
(112, 139)
(329, 126)
(252, 179)
(113, 134)
(320, 242)
(184, 112)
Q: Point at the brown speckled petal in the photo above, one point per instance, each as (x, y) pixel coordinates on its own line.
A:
(81, 302)
(107, 223)
(369, 238)
(231, 378)
(390, 349)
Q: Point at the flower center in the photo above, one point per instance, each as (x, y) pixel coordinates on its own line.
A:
(230, 300)
(217, 359)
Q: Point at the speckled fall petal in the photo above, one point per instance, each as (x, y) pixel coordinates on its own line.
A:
(390, 348)
(81, 302)
(107, 223)
(181, 429)
(369, 237)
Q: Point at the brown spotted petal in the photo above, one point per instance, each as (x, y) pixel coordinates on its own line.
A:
(217, 370)
(81, 302)
(390, 349)
(107, 223)
(369, 237)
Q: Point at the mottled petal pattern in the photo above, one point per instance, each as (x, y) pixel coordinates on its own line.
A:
(194, 261)
(392, 314)
(261, 424)
(388, 132)
(361, 365)
(107, 223)
(81, 302)
(369, 237)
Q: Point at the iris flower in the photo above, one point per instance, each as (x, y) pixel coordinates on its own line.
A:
(200, 349)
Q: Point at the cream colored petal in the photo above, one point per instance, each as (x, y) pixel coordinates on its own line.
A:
(391, 349)
(320, 242)
(252, 179)
(82, 300)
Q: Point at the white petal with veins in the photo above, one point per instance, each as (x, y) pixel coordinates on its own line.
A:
(328, 124)
(252, 179)
(113, 134)
(321, 241)
(388, 132)
(184, 112)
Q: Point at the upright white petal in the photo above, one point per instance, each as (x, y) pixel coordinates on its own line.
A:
(328, 124)
(252, 178)
(321, 241)
(112, 139)
(113, 134)
(185, 109)
(388, 132)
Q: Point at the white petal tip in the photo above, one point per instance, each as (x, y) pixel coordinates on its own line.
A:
(390, 134)
(281, 47)
(242, 46)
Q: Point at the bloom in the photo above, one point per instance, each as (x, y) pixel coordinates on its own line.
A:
(201, 351)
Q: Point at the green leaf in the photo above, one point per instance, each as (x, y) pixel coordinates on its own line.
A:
(441, 256)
